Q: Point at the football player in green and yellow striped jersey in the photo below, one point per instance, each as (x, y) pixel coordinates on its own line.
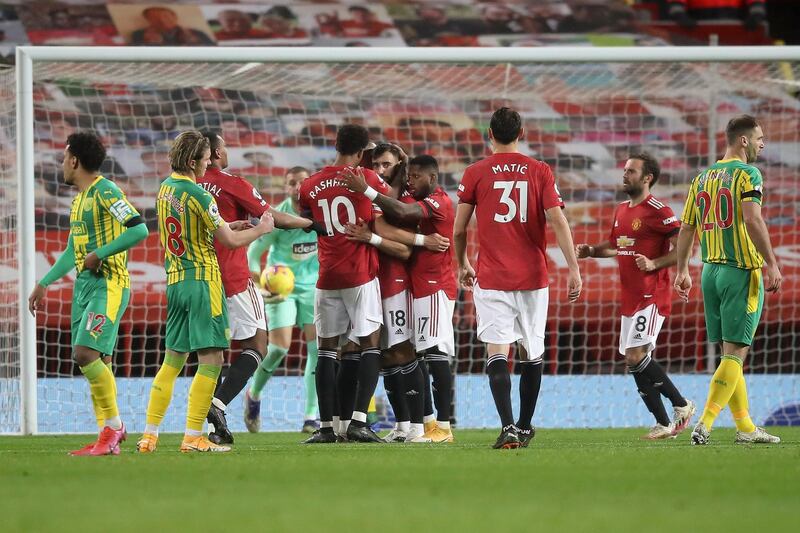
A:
(103, 226)
(724, 207)
(197, 317)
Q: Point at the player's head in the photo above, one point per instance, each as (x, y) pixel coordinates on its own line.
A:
(235, 21)
(423, 175)
(360, 13)
(294, 177)
(84, 153)
(385, 157)
(744, 134)
(505, 126)
(351, 140)
(219, 152)
(160, 17)
(190, 154)
(641, 173)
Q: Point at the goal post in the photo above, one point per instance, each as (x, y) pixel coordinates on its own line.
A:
(583, 108)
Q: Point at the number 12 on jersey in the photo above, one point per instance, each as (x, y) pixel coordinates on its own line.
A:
(505, 198)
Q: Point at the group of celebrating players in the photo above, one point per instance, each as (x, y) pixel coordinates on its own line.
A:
(372, 252)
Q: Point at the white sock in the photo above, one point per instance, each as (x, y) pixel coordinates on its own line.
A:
(326, 425)
(218, 403)
(443, 425)
(114, 423)
(361, 417)
(417, 429)
(427, 419)
(404, 426)
(151, 429)
(343, 425)
(193, 432)
(335, 424)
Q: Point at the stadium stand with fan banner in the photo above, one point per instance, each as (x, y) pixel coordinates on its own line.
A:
(584, 111)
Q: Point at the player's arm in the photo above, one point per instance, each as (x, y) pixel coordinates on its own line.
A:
(236, 239)
(757, 229)
(361, 232)
(683, 282)
(256, 251)
(433, 242)
(63, 266)
(466, 274)
(394, 209)
(560, 226)
(289, 221)
(135, 232)
(667, 260)
(602, 250)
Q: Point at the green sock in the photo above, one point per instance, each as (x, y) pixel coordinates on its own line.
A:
(309, 378)
(275, 355)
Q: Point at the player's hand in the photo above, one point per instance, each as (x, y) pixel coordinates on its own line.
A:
(574, 285)
(353, 179)
(772, 278)
(466, 276)
(582, 251)
(358, 232)
(35, 299)
(644, 264)
(683, 284)
(92, 262)
(436, 243)
(266, 222)
(239, 225)
(270, 298)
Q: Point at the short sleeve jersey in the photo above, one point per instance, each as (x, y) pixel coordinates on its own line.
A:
(433, 271)
(98, 216)
(714, 206)
(645, 229)
(342, 263)
(510, 192)
(237, 199)
(187, 217)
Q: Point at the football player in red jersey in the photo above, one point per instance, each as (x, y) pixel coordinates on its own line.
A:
(238, 200)
(433, 282)
(348, 299)
(640, 238)
(513, 196)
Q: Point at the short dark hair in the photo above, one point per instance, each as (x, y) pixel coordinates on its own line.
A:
(297, 170)
(506, 125)
(213, 140)
(738, 126)
(88, 148)
(425, 161)
(382, 148)
(351, 139)
(649, 165)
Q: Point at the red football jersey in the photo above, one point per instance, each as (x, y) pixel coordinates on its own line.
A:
(433, 271)
(643, 229)
(342, 263)
(237, 200)
(510, 192)
(392, 272)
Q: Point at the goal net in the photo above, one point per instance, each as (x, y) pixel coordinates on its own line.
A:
(582, 118)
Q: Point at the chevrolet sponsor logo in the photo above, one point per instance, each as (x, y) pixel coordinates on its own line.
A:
(625, 242)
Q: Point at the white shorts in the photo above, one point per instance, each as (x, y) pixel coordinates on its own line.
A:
(433, 323)
(505, 317)
(397, 320)
(246, 313)
(641, 329)
(356, 310)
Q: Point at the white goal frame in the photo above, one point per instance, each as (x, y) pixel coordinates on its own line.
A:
(27, 55)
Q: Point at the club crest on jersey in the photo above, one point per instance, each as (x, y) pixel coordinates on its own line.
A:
(88, 204)
(625, 242)
(636, 224)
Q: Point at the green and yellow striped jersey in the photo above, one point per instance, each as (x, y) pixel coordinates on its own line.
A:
(714, 205)
(98, 216)
(187, 216)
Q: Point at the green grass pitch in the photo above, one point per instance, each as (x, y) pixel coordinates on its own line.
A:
(568, 480)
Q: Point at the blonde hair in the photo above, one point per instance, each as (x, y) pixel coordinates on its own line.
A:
(188, 146)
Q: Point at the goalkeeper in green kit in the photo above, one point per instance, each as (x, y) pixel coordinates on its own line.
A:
(296, 249)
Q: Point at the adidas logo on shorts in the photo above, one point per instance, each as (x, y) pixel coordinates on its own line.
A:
(421, 338)
(638, 336)
(399, 331)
